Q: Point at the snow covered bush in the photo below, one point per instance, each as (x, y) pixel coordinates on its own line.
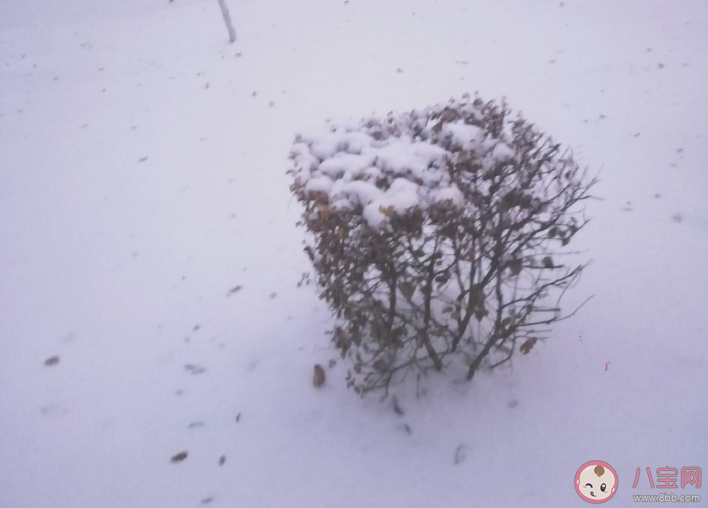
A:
(436, 236)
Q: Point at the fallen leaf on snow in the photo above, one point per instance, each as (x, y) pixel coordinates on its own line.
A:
(194, 369)
(318, 377)
(52, 360)
(179, 457)
(234, 290)
(461, 453)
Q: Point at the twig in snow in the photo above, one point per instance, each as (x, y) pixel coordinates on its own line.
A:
(227, 20)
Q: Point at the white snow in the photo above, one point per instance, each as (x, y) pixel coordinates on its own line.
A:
(402, 156)
(328, 144)
(502, 152)
(400, 196)
(362, 193)
(463, 136)
(148, 232)
(319, 184)
(451, 193)
(345, 163)
(353, 180)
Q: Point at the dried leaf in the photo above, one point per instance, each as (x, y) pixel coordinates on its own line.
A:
(386, 210)
(442, 279)
(396, 407)
(179, 457)
(461, 453)
(527, 346)
(515, 266)
(509, 201)
(407, 288)
(194, 369)
(318, 377)
(234, 290)
(476, 294)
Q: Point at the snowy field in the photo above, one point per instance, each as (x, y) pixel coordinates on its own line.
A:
(147, 241)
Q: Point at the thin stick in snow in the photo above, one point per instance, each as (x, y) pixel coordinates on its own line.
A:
(227, 20)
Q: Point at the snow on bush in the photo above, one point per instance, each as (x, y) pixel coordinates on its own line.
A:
(436, 236)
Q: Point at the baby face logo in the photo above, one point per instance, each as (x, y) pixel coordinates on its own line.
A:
(596, 481)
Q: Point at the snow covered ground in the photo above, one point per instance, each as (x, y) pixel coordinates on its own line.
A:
(147, 240)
